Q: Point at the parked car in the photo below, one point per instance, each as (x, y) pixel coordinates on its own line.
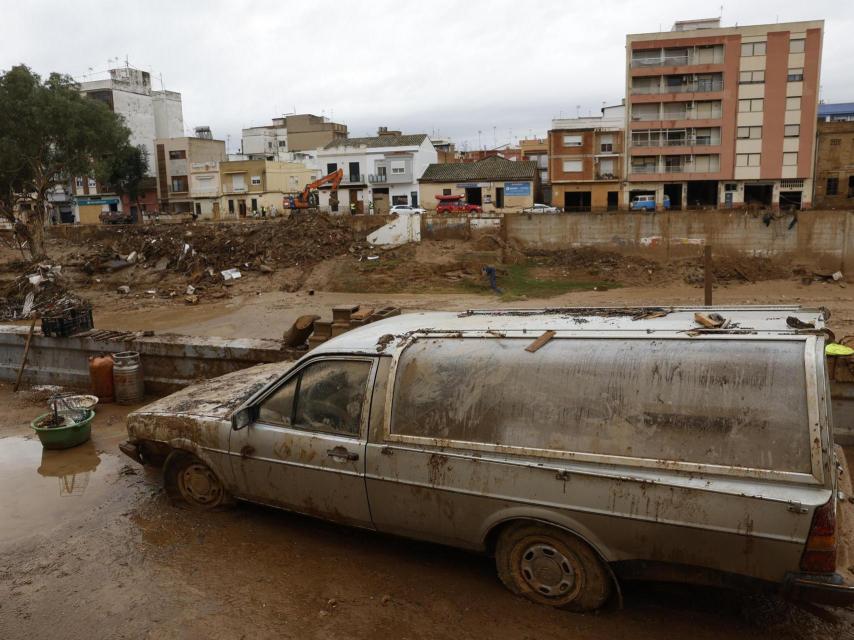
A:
(580, 447)
(405, 208)
(647, 203)
(455, 204)
(541, 208)
(116, 217)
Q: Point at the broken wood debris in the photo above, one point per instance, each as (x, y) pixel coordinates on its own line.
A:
(537, 344)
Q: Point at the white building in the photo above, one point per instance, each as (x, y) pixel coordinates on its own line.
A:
(382, 170)
(148, 114)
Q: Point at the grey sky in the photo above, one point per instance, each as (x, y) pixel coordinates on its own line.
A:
(449, 68)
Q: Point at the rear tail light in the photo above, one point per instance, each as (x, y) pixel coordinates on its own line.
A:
(820, 550)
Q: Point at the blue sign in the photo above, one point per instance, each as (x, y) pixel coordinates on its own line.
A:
(87, 201)
(517, 188)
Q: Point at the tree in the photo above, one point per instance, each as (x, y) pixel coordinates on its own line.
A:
(127, 170)
(50, 133)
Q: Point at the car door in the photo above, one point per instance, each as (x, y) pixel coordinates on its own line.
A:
(305, 448)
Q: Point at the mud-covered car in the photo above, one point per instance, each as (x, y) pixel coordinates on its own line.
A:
(581, 448)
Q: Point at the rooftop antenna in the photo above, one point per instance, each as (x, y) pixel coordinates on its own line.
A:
(578, 111)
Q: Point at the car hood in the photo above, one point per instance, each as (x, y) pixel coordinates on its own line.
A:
(218, 397)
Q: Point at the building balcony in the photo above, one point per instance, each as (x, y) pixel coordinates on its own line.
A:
(378, 178)
(662, 61)
(675, 142)
(690, 87)
(353, 178)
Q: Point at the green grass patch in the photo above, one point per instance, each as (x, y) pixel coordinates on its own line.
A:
(520, 282)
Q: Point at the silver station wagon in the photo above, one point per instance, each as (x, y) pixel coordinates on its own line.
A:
(580, 447)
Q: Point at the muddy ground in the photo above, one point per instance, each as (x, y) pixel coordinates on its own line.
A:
(91, 549)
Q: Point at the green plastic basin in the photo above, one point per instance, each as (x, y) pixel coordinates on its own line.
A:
(64, 437)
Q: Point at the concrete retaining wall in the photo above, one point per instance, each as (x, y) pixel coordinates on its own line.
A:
(169, 362)
(442, 227)
(822, 238)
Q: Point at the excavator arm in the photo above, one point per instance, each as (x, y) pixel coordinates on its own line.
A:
(302, 200)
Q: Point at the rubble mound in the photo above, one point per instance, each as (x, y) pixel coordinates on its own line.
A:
(41, 290)
(205, 250)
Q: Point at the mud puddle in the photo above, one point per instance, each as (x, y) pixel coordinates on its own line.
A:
(41, 489)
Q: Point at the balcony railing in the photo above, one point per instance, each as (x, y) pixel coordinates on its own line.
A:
(701, 86)
(353, 178)
(680, 142)
(378, 178)
(662, 61)
(687, 114)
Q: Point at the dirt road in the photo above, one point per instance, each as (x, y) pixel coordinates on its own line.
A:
(90, 549)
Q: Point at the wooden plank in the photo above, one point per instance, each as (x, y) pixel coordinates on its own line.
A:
(539, 342)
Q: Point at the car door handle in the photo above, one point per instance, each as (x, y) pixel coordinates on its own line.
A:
(341, 452)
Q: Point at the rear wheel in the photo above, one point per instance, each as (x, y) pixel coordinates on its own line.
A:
(550, 566)
(190, 482)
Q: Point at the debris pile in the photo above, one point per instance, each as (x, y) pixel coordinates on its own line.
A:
(40, 290)
(220, 252)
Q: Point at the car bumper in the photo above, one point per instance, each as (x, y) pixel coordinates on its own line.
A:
(833, 590)
(131, 450)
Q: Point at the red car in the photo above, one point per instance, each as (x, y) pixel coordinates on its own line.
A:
(455, 204)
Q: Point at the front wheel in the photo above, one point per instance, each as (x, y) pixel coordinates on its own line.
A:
(550, 566)
(190, 482)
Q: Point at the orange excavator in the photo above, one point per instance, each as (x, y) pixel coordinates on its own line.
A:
(307, 199)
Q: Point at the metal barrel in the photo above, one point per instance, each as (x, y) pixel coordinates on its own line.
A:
(127, 377)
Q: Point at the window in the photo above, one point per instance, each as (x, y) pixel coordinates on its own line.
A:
(238, 182)
(747, 159)
(832, 188)
(398, 167)
(572, 140)
(834, 142)
(753, 104)
(179, 154)
(796, 46)
(751, 77)
(231, 206)
(572, 166)
(446, 192)
(790, 159)
(283, 143)
(750, 132)
(78, 181)
(792, 130)
(92, 184)
(395, 200)
(730, 186)
(753, 49)
(179, 184)
(254, 204)
(331, 167)
(256, 180)
(606, 143)
(354, 171)
(795, 75)
(326, 396)
(793, 104)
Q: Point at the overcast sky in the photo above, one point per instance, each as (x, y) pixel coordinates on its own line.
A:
(446, 68)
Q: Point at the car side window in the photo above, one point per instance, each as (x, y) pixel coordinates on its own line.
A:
(279, 407)
(331, 395)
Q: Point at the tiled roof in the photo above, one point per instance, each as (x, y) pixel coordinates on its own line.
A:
(835, 108)
(379, 141)
(492, 168)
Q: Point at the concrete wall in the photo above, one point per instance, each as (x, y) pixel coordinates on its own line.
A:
(823, 239)
(443, 227)
(169, 362)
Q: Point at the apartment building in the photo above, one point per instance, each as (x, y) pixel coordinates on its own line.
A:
(585, 160)
(723, 117)
(186, 173)
(379, 171)
(149, 114)
(248, 186)
(287, 138)
(834, 166)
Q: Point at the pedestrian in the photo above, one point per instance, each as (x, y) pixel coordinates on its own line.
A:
(490, 273)
(273, 211)
(352, 208)
(371, 208)
(263, 211)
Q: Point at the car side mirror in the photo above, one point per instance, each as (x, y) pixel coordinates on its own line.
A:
(242, 418)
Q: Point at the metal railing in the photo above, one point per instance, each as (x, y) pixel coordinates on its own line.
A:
(353, 178)
(701, 86)
(682, 142)
(378, 178)
(662, 61)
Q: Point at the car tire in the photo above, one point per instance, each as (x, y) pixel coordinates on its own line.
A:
(551, 566)
(190, 483)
